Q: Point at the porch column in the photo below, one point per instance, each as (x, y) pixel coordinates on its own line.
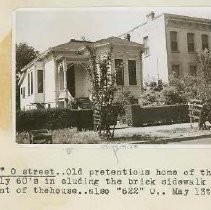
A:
(59, 70)
(64, 64)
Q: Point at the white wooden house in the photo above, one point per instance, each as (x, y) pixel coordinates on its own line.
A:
(58, 75)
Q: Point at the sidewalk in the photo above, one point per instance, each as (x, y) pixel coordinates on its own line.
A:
(160, 134)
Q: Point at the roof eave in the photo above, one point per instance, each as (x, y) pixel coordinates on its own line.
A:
(36, 59)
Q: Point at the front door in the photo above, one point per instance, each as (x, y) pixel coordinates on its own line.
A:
(71, 80)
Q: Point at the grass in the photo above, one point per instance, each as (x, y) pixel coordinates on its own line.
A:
(65, 136)
(72, 136)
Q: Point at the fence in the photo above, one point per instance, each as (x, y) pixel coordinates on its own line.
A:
(194, 107)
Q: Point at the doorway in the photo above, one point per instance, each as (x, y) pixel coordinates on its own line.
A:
(71, 80)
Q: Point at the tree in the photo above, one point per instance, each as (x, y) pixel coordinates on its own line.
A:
(204, 75)
(195, 86)
(178, 90)
(103, 81)
(24, 55)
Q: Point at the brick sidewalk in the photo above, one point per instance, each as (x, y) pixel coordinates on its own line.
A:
(162, 133)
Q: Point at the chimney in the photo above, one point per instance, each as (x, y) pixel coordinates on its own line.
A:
(127, 37)
(150, 16)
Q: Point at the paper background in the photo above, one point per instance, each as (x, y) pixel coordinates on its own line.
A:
(13, 155)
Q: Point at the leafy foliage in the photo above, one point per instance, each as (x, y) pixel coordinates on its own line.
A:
(103, 82)
(107, 103)
(101, 77)
(204, 75)
(53, 119)
(152, 95)
(24, 55)
(159, 115)
(183, 88)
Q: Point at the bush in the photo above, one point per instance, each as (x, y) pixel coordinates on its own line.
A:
(54, 119)
(151, 97)
(158, 115)
(173, 96)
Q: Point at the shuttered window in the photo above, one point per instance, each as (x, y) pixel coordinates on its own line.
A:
(32, 83)
(132, 72)
(23, 92)
(28, 84)
(40, 81)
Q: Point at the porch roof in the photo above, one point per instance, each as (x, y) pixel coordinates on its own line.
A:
(73, 59)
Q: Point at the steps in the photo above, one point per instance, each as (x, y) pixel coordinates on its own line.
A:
(84, 103)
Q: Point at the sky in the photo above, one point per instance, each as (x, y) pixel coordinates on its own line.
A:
(44, 28)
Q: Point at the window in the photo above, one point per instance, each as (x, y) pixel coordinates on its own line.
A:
(193, 70)
(176, 70)
(119, 71)
(190, 41)
(31, 83)
(132, 72)
(173, 40)
(204, 38)
(28, 84)
(146, 45)
(40, 81)
(23, 92)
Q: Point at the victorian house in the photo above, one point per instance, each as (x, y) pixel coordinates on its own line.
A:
(59, 74)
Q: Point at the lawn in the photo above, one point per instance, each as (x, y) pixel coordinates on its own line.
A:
(65, 136)
(72, 136)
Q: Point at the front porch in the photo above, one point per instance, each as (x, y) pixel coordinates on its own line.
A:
(72, 80)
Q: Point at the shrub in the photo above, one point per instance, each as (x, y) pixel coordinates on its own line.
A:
(173, 96)
(22, 138)
(151, 97)
(158, 115)
(54, 119)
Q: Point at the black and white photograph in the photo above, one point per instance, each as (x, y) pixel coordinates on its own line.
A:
(118, 75)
